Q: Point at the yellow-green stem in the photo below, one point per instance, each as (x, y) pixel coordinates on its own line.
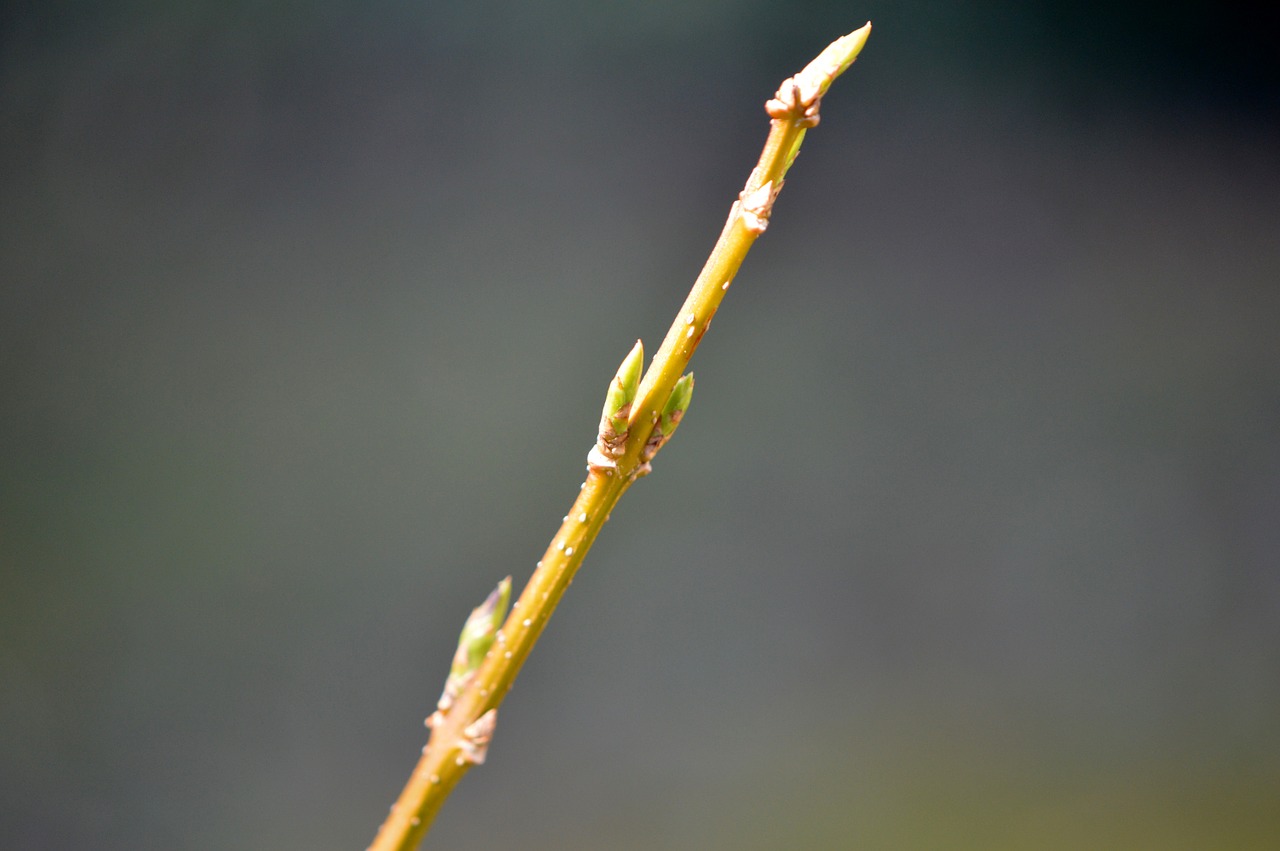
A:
(451, 750)
(443, 762)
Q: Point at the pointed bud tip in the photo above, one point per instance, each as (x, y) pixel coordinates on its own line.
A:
(833, 61)
(616, 414)
(631, 367)
(481, 627)
(681, 393)
(497, 599)
(677, 404)
(622, 390)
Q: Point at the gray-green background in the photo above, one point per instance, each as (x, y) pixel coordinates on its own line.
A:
(970, 540)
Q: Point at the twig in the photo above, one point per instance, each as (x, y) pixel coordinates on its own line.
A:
(638, 418)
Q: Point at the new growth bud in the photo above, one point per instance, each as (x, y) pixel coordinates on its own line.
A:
(477, 637)
(612, 441)
(669, 419)
(799, 98)
(677, 404)
(479, 630)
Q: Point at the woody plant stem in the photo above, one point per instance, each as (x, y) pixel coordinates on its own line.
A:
(639, 417)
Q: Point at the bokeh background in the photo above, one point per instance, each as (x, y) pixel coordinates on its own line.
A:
(971, 538)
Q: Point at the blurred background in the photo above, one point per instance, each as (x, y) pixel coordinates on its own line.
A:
(971, 538)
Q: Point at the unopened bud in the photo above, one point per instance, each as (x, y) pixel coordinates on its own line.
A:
(477, 637)
(669, 419)
(618, 401)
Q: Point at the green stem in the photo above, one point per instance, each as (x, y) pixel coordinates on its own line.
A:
(460, 731)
